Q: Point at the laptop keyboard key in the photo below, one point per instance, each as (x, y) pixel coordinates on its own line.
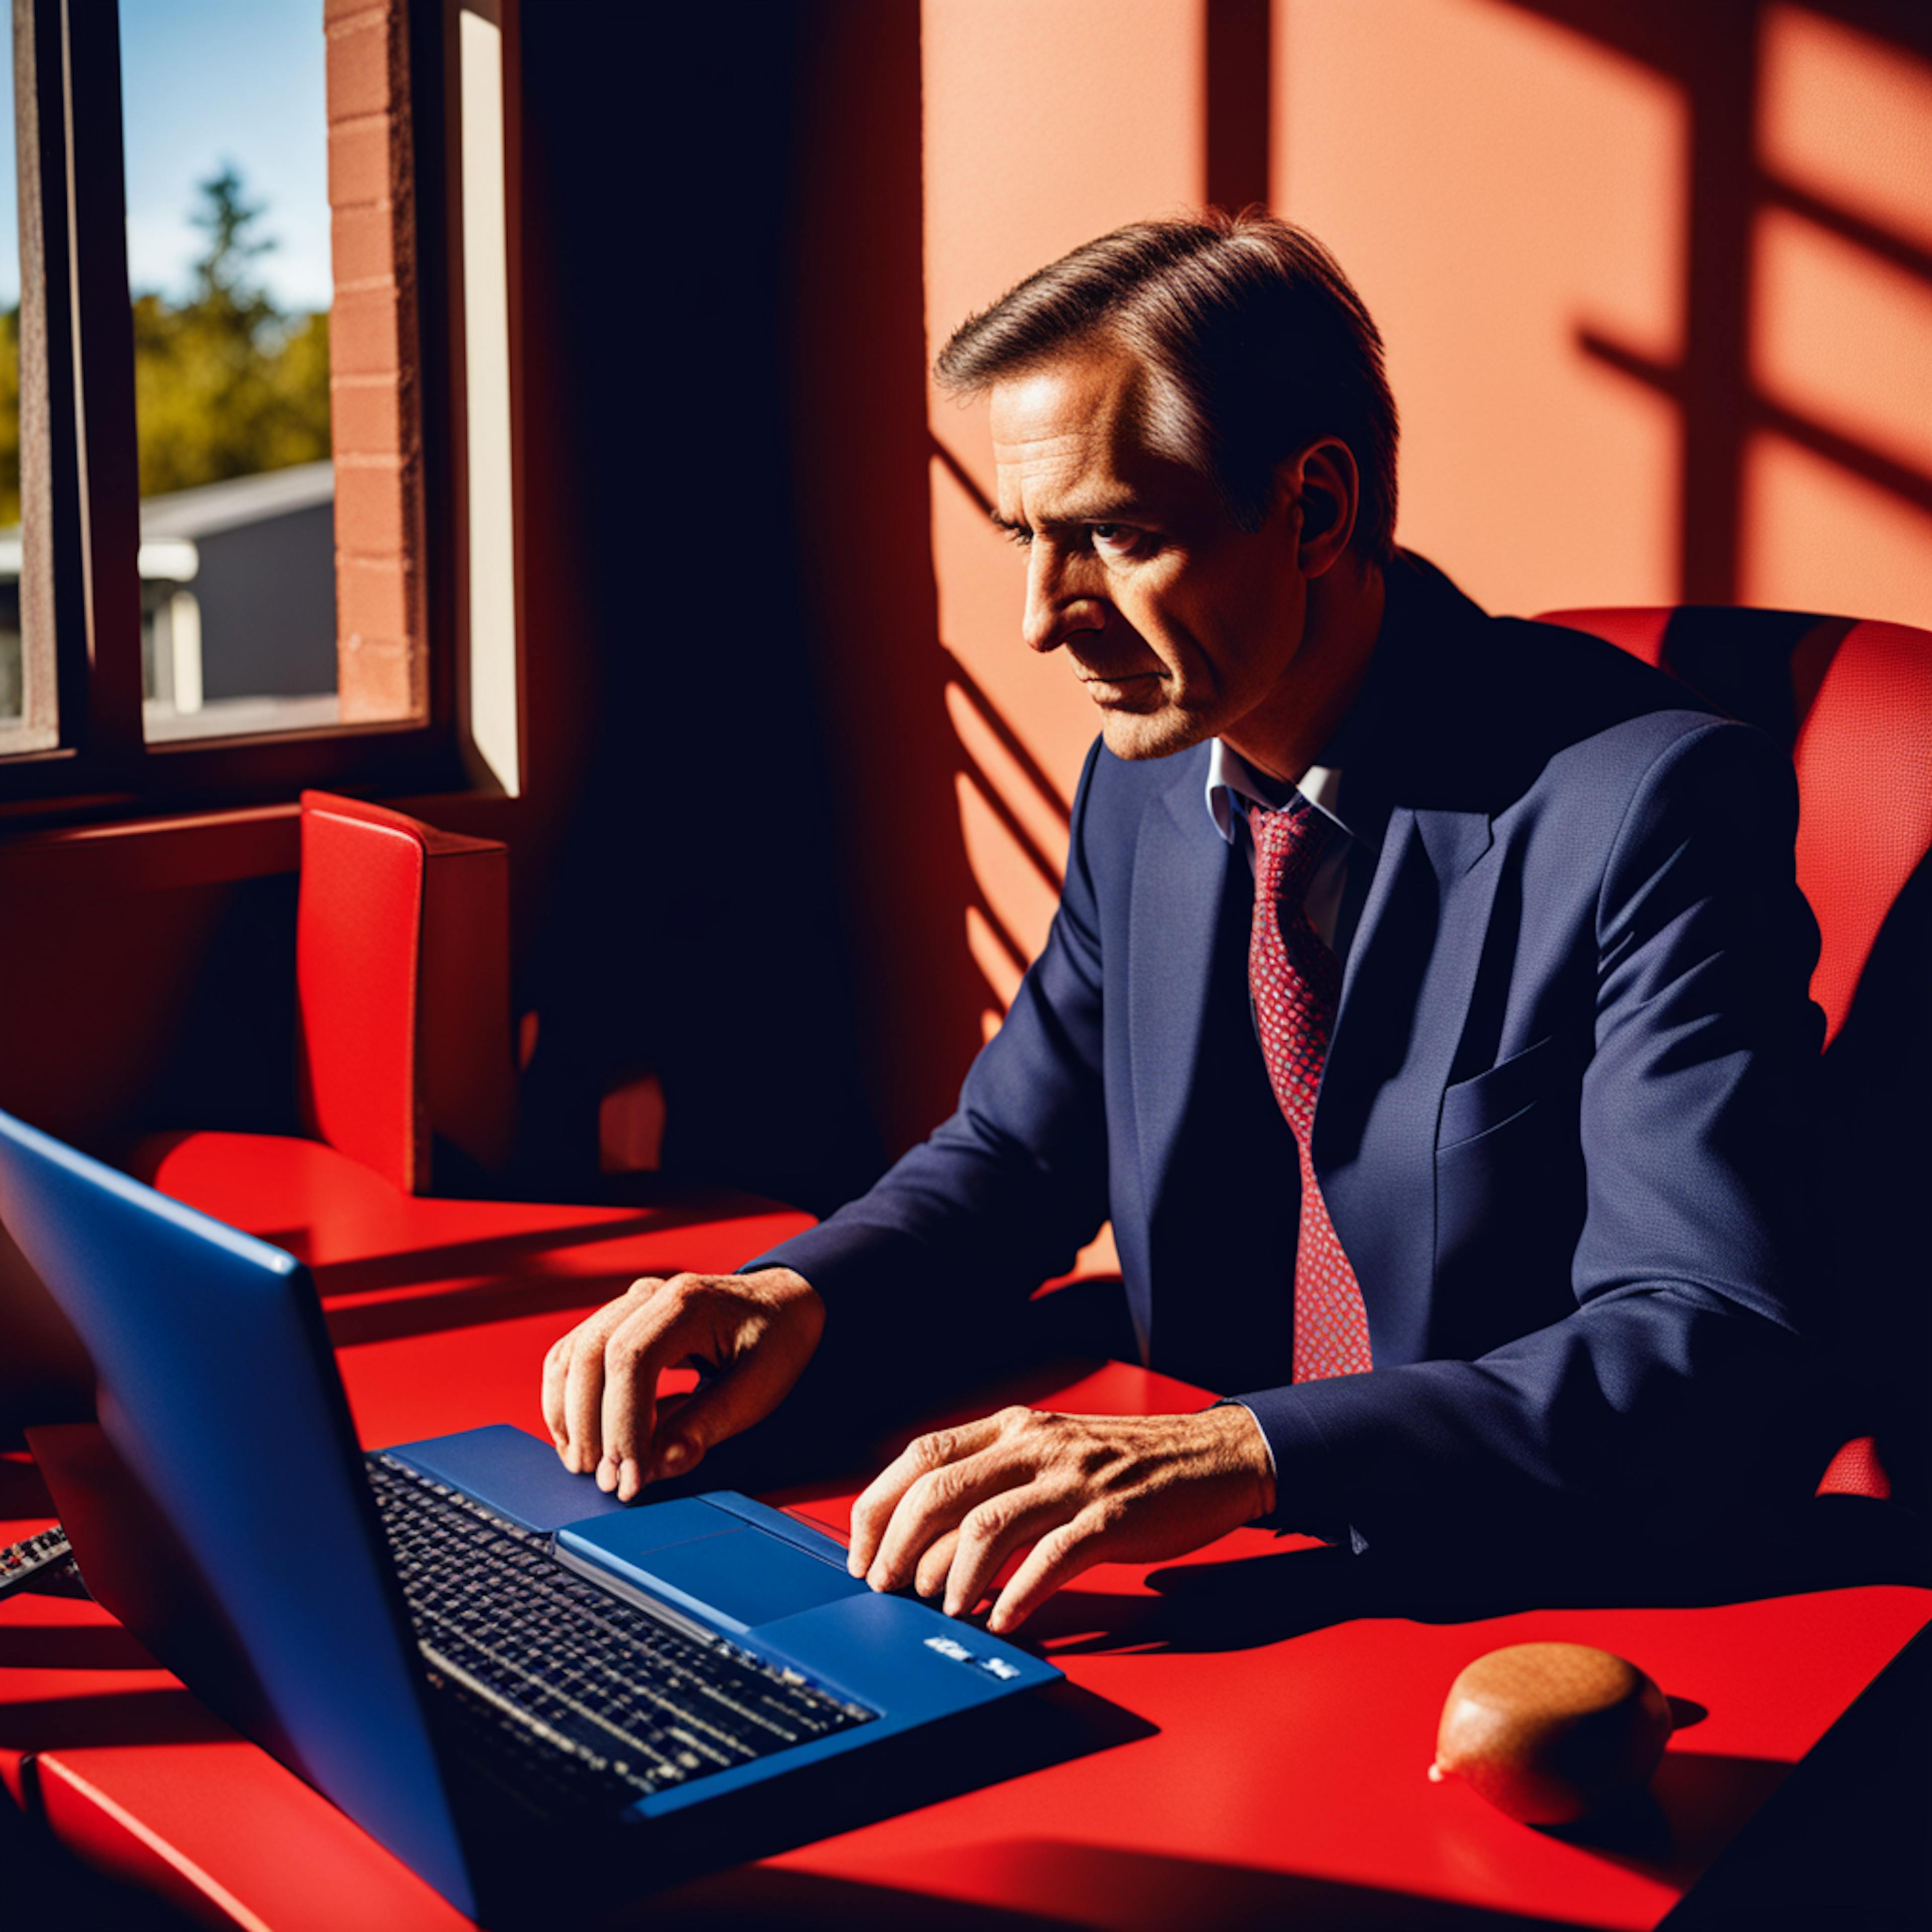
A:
(574, 1698)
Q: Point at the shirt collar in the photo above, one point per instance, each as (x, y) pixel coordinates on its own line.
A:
(1234, 784)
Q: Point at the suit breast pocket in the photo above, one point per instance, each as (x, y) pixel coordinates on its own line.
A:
(1473, 1108)
(1509, 1200)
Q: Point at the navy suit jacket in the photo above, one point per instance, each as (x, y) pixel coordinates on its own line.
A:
(1560, 1131)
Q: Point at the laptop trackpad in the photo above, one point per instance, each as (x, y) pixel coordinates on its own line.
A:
(740, 1576)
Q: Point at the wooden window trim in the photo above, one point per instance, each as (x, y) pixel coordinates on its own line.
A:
(80, 584)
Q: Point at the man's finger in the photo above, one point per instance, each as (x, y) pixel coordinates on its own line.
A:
(567, 1359)
(936, 1565)
(938, 1501)
(556, 1373)
(583, 1387)
(746, 1393)
(880, 1497)
(665, 1328)
(874, 1510)
(628, 1414)
(990, 1533)
(1057, 1558)
(583, 1397)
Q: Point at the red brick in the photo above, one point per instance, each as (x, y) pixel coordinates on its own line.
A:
(364, 333)
(362, 67)
(362, 163)
(380, 649)
(368, 416)
(372, 509)
(380, 679)
(363, 243)
(374, 597)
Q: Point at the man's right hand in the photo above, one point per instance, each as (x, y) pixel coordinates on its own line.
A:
(600, 1381)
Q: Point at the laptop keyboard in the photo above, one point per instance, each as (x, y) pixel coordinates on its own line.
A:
(573, 1697)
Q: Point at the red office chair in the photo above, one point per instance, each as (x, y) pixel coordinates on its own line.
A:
(403, 991)
(1851, 701)
(403, 999)
(393, 1194)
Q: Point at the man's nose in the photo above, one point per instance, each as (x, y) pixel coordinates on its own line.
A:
(1058, 605)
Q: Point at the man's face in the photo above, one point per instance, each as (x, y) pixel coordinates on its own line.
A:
(1179, 623)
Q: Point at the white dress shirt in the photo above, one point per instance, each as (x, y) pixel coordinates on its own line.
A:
(1233, 783)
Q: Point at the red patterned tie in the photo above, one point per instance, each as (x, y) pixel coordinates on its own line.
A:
(1296, 983)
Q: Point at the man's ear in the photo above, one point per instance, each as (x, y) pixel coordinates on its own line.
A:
(1323, 479)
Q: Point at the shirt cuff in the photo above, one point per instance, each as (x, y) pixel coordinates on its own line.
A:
(1274, 1467)
(1307, 1493)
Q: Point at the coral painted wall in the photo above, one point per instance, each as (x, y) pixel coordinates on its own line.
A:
(1656, 283)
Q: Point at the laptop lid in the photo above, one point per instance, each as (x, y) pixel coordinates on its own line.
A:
(225, 1446)
(45, 1375)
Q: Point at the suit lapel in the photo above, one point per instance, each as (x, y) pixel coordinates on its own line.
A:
(1182, 871)
(1411, 969)
(1217, 1162)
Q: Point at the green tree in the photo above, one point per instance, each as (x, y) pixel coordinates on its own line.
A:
(9, 420)
(226, 384)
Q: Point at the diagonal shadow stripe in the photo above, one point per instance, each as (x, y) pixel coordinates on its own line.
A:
(997, 926)
(494, 1254)
(961, 476)
(989, 715)
(1900, 479)
(969, 686)
(1050, 873)
(1868, 235)
(473, 1304)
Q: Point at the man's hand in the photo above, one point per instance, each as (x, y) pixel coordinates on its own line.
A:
(1082, 1490)
(600, 1382)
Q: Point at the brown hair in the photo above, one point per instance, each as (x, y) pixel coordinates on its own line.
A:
(1256, 343)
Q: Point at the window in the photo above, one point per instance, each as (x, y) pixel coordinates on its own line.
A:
(26, 694)
(225, 135)
(228, 552)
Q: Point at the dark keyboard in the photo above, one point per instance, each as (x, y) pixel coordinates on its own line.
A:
(46, 1558)
(570, 1695)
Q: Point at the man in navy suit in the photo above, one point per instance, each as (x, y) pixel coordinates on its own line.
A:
(1541, 1239)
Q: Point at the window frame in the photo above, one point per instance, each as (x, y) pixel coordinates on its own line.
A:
(80, 584)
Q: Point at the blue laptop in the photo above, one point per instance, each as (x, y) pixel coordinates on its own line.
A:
(483, 1660)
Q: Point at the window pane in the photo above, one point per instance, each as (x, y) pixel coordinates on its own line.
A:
(228, 260)
(27, 721)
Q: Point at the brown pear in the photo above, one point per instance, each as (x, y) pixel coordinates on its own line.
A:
(1550, 1732)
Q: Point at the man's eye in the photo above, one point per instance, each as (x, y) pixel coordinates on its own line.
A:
(1116, 539)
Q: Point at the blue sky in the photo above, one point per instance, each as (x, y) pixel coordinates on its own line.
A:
(10, 205)
(205, 82)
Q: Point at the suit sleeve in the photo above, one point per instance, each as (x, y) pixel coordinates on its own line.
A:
(1690, 1275)
(1004, 1195)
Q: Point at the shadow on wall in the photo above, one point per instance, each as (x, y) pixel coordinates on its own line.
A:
(695, 924)
(1803, 385)
(1658, 285)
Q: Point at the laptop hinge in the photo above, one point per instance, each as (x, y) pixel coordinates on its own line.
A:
(622, 1586)
(809, 1537)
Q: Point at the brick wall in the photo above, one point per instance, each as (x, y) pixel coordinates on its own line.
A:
(373, 351)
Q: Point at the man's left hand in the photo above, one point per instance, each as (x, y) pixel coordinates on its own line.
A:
(1082, 1490)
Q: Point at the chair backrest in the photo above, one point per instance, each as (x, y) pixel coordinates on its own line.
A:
(1851, 702)
(403, 989)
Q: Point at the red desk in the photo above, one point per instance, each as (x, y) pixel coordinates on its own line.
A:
(1282, 1777)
